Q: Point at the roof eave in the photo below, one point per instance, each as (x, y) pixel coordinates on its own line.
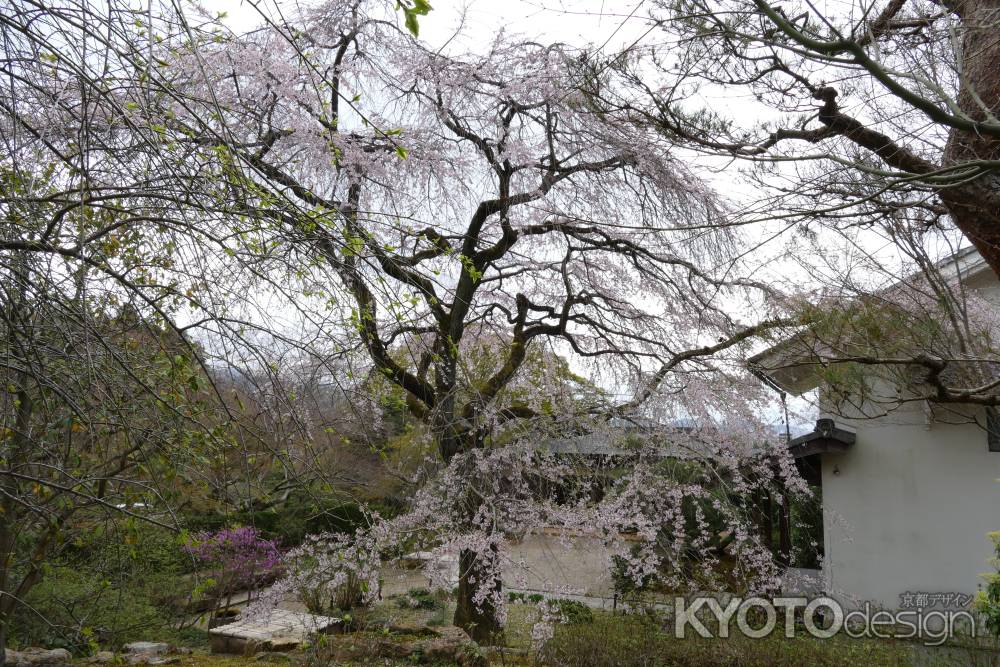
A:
(826, 438)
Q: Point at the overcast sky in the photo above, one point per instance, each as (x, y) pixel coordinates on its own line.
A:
(577, 22)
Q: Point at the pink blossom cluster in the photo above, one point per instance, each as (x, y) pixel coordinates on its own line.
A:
(485, 500)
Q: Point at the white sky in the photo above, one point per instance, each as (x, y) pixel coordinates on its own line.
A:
(610, 25)
(577, 22)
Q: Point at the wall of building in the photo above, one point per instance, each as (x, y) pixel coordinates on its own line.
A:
(908, 508)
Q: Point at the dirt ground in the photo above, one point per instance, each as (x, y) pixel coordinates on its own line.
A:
(546, 563)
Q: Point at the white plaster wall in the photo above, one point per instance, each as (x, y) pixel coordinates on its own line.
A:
(910, 509)
(913, 502)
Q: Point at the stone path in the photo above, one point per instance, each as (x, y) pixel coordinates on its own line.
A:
(282, 629)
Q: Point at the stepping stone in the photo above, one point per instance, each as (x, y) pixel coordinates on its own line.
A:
(281, 631)
(149, 648)
(38, 657)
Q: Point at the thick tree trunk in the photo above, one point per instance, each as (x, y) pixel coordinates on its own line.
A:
(476, 607)
(478, 617)
(975, 208)
(979, 221)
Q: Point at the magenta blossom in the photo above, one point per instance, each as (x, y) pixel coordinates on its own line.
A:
(243, 559)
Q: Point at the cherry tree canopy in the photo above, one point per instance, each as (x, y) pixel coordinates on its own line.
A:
(427, 196)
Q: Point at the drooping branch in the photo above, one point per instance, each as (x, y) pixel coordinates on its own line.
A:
(679, 358)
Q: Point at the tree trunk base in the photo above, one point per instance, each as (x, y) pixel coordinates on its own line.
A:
(480, 620)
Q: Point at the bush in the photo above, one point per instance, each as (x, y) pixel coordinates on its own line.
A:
(299, 516)
(807, 530)
(988, 600)
(573, 612)
(350, 594)
(440, 618)
(419, 598)
(121, 582)
(624, 584)
(71, 608)
(239, 558)
(344, 597)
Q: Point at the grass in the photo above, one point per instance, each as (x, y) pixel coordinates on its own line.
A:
(395, 611)
(614, 641)
(520, 619)
(636, 641)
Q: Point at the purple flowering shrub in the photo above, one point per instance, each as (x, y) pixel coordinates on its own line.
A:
(238, 558)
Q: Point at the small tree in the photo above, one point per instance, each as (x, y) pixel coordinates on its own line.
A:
(239, 559)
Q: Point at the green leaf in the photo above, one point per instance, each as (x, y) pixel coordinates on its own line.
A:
(402, 152)
(411, 22)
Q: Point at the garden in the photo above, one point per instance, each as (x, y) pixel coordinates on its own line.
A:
(368, 332)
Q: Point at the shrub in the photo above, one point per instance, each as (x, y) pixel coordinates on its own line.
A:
(347, 595)
(988, 600)
(74, 609)
(119, 582)
(331, 573)
(440, 618)
(624, 583)
(807, 530)
(419, 598)
(301, 515)
(350, 594)
(573, 612)
(239, 557)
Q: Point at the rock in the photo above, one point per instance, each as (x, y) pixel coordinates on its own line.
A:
(101, 658)
(38, 657)
(147, 648)
(453, 646)
(281, 630)
(151, 653)
(282, 644)
(414, 629)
